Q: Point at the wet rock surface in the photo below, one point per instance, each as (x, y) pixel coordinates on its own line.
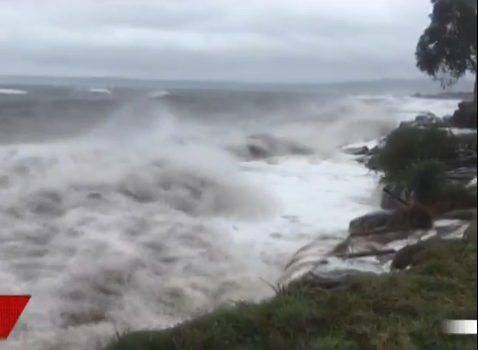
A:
(461, 214)
(357, 151)
(399, 232)
(405, 256)
(425, 120)
(393, 196)
(406, 218)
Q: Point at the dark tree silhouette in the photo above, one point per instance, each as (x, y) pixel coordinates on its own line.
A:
(447, 48)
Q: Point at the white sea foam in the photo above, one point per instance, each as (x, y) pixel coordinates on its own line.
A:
(148, 226)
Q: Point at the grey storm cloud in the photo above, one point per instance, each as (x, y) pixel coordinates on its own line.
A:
(248, 40)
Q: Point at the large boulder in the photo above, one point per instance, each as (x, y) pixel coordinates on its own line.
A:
(394, 195)
(464, 175)
(410, 218)
(356, 151)
(329, 280)
(407, 255)
(311, 265)
(425, 120)
(460, 214)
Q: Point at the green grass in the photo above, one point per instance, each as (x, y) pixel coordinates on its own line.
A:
(399, 311)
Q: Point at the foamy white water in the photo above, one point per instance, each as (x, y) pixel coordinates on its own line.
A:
(148, 230)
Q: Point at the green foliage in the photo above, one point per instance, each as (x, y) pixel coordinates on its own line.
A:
(423, 178)
(447, 48)
(400, 311)
(407, 146)
(427, 180)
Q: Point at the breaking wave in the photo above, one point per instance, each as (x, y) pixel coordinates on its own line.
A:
(117, 227)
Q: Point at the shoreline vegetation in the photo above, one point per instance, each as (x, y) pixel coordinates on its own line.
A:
(428, 174)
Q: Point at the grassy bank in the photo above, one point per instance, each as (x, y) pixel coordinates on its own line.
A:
(400, 311)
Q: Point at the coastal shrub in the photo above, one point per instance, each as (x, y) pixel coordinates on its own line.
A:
(425, 179)
(406, 146)
(399, 311)
(428, 182)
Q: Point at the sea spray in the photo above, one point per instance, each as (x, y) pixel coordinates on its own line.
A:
(146, 217)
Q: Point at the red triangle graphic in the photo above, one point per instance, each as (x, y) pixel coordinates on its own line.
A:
(11, 308)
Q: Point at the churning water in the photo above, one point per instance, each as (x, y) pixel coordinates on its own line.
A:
(154, 213)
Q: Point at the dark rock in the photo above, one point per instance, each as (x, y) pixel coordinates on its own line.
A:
(424, 121)
(380, 146)
(463, 214)
(372, 163)
(407, 124)
(329, 280)
(413, 217)
(362, 160)
(449, 230)
(369, 222)
(407, 255)
(463, 160)
(463, 175)
(463, 105)
(263, 145)
(342, 247)
(393, 196)
(371, 160)
(357, 151)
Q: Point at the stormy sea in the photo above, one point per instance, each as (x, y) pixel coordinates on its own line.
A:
(128, 211)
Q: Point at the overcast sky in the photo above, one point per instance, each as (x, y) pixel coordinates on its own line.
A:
(238, 40)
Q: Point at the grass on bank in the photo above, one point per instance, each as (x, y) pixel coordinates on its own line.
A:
(399, 311)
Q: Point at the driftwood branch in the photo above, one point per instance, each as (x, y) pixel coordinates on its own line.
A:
(387, 191)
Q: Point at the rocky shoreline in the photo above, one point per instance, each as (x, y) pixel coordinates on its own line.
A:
(402, 221)
(320, 306)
